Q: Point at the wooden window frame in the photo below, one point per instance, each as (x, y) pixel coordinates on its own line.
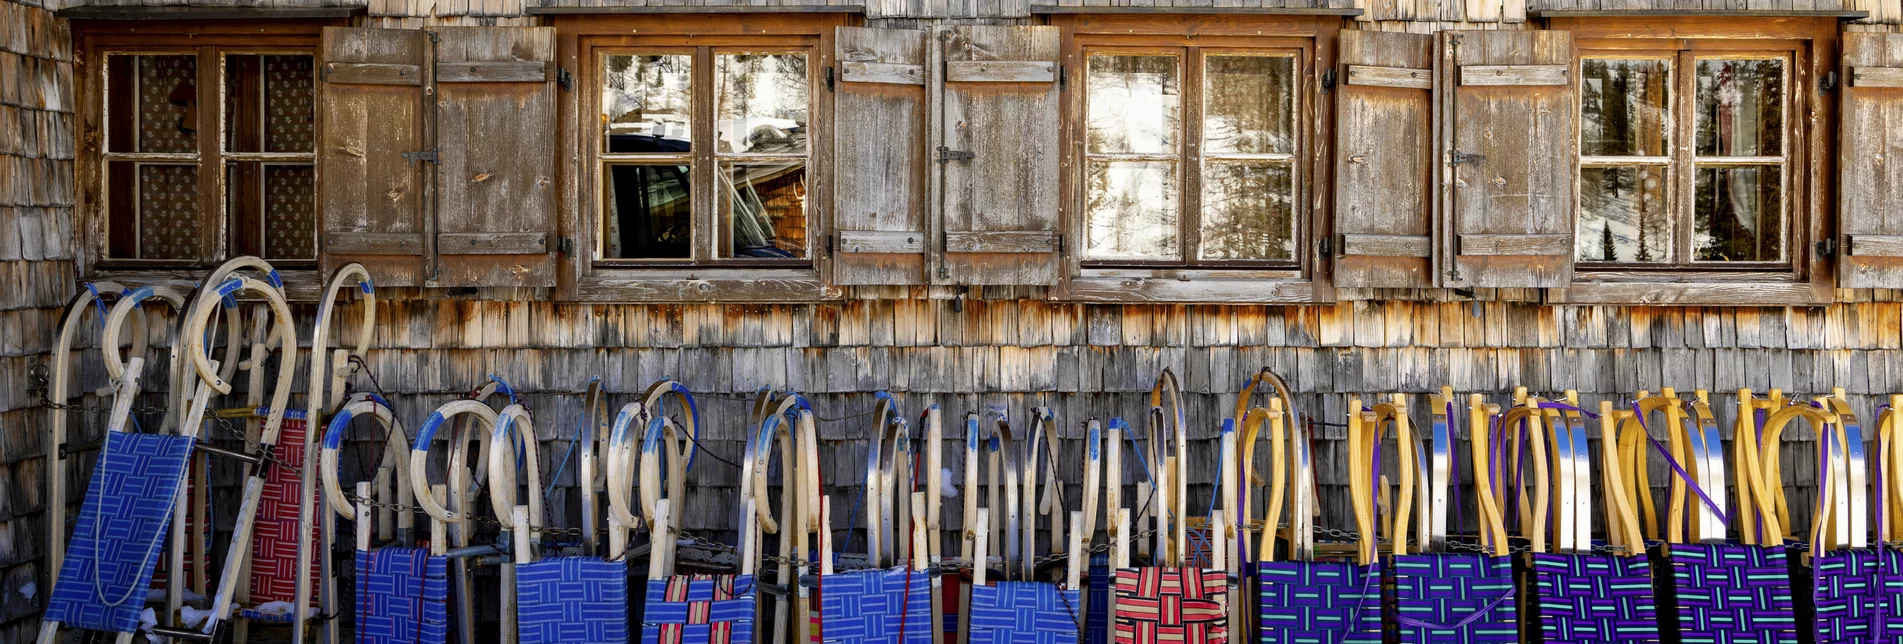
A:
(1805, 276)
(582, 41)
(1305, 278)
(210, 40)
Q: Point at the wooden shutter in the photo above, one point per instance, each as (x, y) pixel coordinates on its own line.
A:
(879, 220)
(1871, 215)
(1385, 166)
(496, 142)
(1000, 156)
(1509, 161)
(370, 196)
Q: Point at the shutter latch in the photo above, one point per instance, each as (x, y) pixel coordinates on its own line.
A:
(1457, 157)
(562, 78)
(946, 154)
(829, 79)
(426, 156)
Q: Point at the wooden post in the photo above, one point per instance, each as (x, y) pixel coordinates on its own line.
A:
(363, 516)
(978, 564)
(1074, 568)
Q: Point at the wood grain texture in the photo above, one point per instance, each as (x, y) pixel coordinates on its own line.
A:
(1512, 180)
(366, 186)
(1001, 71)
(1876, 77)
(1402, 77)
(1011, 129)
(373, 74)
(1505, 245)
(1483, 75)
(497, 174)
(1384, 163)
(880, 138)
(1876, 245)
(1387, 245)
(1870, 180)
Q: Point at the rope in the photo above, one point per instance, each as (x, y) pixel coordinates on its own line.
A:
(1680, 471)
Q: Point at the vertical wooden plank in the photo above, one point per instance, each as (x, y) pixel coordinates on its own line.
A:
(1000, 212)
(1870, 186)
(496, 110)
(369, 197)
(1385, 162)
(879, 183)
(1511, 202)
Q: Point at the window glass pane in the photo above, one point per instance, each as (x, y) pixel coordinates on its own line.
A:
(1623, 215)
(1131, 210)
(648, 210)
(1739, 214)
(761, 103)
(1248, 212)
(1740, 107)
(1623, 106)
(1249, 105)
(272, 209)
(764, 207)
(152, 103)
(152, 210)
(647, 102)
(1134, 101)
(268, 103)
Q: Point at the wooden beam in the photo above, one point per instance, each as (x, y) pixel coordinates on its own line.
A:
(872, 241)
(372, 74)
(204, 13)
(373, 243)
(888, 73)
(1387, 245)
(1876, 245)
(1379, 76)
(1495, 245)
(1514, 75)
(1202, 9)
(492, 243)
(1876, 77)
(496, 72)
(1000, 242)
(1001, 71)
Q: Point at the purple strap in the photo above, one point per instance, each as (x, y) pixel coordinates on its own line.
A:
(1560, 405)
(1454, 484)
(1682, 474)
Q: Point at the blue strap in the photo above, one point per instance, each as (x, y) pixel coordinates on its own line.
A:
(1723, 517)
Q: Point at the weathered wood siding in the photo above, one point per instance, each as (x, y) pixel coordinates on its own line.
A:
(36, 278)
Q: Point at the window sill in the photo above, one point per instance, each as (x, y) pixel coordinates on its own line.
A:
(300, 284)
(704, 285)
(1699, 290)
(1191, 286)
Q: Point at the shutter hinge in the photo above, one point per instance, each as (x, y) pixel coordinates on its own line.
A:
(562, 78)
(829, 244)
(1328, 80)
(564, 245)
(1063, 77)
(829, 79)
(1060, 244)
(1827, 249)
(1828, 83)
(434, 37)
(1457, 157)
(946, 154)
(1328, 246)
(426, 156)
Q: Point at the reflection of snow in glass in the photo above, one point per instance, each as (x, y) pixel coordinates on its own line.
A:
(648, 95)
(761, 103)
(1134, 101)
(1131, 210)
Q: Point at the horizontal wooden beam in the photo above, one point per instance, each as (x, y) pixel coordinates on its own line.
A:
(888, 73)
(695, 8)
(1387, 245)
(1404, 77)
(1876, 77)
(1204, 9)
(1224, 290)
(1000, 242)
(496, 72)
(1496, 75)
(1876, 245)
(1001, 71)
(373, 74)
(348, 243)
(1538, 245)
(205, 13)
(492, 243)
(1686, 294)
(875, 241)
(1845, 14)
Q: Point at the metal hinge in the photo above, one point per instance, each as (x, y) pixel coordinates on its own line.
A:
(829, 244)
(563, 79)
(1060, 244)
(1063, 77)
(564, 245)
(1457, 157)
(1827, 249)
(946, 154)
(427, 156)
(1828, 83)
(1328, 246)
(1328, 79)
(829, 79)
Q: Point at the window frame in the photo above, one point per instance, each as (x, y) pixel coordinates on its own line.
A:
(1682, 161)
(582, 43)
(1807, 276)
(209, 40)
(1312, 40)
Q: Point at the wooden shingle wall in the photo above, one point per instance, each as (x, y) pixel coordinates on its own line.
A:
(36, 277)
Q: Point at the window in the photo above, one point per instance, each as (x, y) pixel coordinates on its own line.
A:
(704, 155)
(1685, 157)
(172, 165)
(1192, 156)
